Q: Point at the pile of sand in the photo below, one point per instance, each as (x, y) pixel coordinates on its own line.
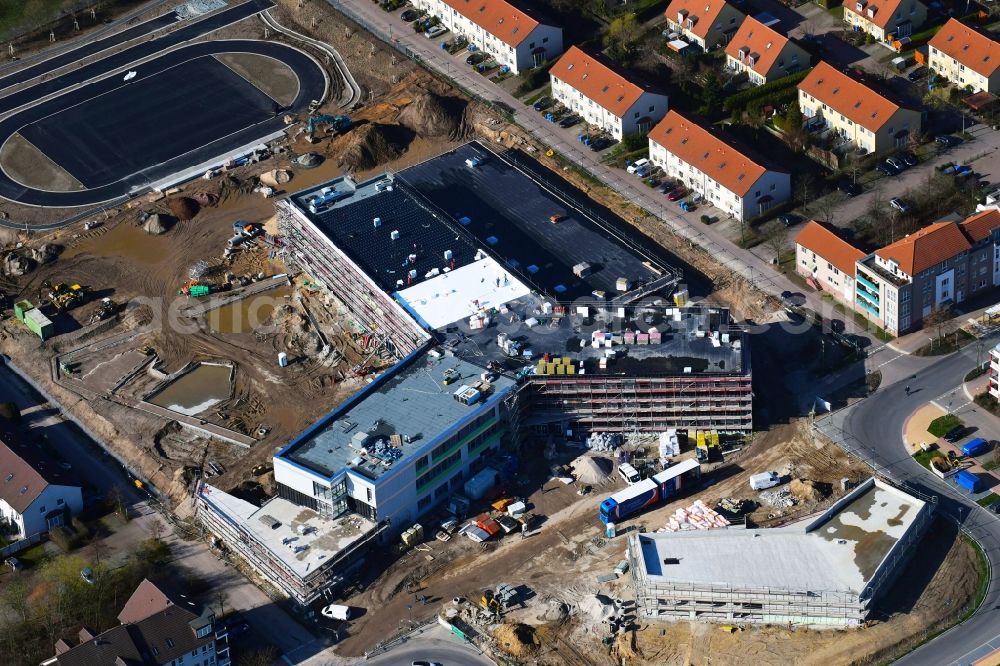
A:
(156, 224)
(368, 146)
(518, 640)
(593, 470)
(431, 115)
(599, 607)
(807, 491)
(183, 208)
(309, 160)
(275, 177)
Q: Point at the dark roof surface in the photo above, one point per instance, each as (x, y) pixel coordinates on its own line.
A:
(26, 470)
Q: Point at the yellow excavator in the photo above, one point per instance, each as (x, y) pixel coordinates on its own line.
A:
(63, 297)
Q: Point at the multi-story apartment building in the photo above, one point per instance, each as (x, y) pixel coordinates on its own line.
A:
(763, 53)
(965, 56)
(857, 113)
(158, 628)
(603, 95)
(994, 372)
(729, 176)
(898, 286)
(706, 23)
(885, 19)
(513, 35)
(36, 493)
(827, 260)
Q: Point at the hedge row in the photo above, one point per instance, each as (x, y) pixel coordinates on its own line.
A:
(742, 100)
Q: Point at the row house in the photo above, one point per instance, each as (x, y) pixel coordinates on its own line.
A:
(826, 260)
(855, 112)
(599, 92)
(763, 54)
(728, 176)
(706, 23)
(885, 20)
(511, 34)
(965, 56)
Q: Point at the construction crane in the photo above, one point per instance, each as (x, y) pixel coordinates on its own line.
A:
(337, 123)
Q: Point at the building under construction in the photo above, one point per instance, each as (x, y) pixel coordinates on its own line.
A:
(512, 310)
(825, 571)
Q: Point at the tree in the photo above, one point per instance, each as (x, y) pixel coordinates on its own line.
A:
(804, 186)
(825, 208)
(711, 95)
(622, 35)
(796, 135)
(775, 239)
(262, 657)
(940, 321)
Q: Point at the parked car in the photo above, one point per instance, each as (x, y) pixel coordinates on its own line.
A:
(435, 31)
(955, 434)
(917, 74)
(542, 103)
(789, 220)
(410, 15)
(897, 163)
(475, 59)
(677, 194)
(764, 480)
(667, 187)
(87, 574)
(849, 188)
(568, 121)
(337, 612)
(947, 141)
(886, 169)
(909, 158)
(601, 144)
(899, 204)
(638, 165)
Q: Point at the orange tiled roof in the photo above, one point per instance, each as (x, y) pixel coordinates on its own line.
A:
(979, 226)
(760, 42)
(597, 80)
(926, 248)
(718, 157)
(849, 97)
(814, 236)
(497, 17)
(976, 50)
(884, 10)
(705, 12)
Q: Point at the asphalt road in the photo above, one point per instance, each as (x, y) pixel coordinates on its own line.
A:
(88, 49)
(176, 132)
(872, 429)
(434, 646)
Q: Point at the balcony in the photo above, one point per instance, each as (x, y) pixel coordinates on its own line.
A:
(870, 309)
(867, 283)
(868, 297)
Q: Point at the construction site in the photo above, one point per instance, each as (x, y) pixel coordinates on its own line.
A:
(392, 355)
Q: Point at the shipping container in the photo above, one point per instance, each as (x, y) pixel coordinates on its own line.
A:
(969, 481)
(39, 324)
(975, 447)
(477, 487)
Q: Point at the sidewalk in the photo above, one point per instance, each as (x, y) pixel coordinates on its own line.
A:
(911, 342)
(758, 272)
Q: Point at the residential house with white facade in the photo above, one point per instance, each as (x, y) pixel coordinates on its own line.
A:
(826, 260)
(763, 54)
(729, 176)
(855, 112)
(885, 20)
(603, 95)
(966, 56)
(36, 493)
(705, 23)
(513, 35)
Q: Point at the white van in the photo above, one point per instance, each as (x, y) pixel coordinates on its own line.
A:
(629, 473)
(337, 612)
(764, 480)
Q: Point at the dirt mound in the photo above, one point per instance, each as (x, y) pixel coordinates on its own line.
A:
(183, 208)
(594, 470)
(275, 177)
(205, 199)
(431, 115)
(518, 640)
(157, 224)
(368, 146)
(808, 491)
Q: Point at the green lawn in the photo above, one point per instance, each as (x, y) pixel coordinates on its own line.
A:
(924, 457)
(947, 344)
(988, 500)
(837, 12)
(940, 426)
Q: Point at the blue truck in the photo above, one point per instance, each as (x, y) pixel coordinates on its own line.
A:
(650, 492)
(975, 447)
(969, 481)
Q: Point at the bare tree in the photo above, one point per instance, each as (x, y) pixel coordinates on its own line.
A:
(804, 189)
(15, 597)
(156, 529)
(775, 240)
(939, 320)
(825, 208)
(262, 657)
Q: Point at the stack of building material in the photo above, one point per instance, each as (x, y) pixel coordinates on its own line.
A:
(604, 441)
(695, 517)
